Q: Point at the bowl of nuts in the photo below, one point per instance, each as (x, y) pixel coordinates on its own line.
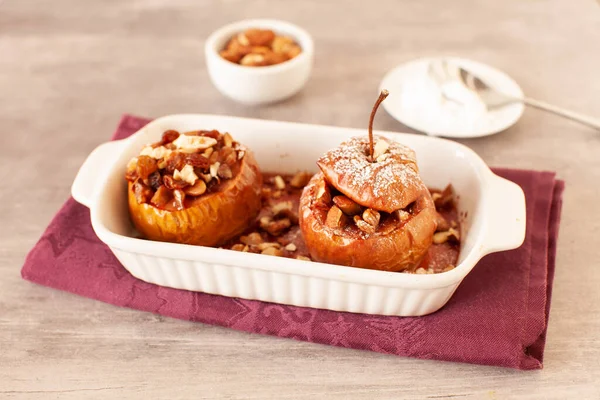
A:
(259, 61)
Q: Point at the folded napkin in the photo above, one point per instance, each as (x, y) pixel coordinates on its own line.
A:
(498, 315)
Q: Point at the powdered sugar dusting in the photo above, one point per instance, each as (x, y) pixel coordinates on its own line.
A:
(349, 162)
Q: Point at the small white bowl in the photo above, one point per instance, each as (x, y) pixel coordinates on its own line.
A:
(258, 85)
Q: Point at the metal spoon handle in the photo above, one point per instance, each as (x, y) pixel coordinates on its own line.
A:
(584, 119)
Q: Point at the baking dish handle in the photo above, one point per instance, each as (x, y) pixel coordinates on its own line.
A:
(506, 215)
(93, 167)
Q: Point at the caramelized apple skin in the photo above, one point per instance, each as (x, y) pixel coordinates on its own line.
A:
(397, 250)
(209, 220)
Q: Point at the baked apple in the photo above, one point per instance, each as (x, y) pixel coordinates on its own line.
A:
(368, 207)
(199, 187)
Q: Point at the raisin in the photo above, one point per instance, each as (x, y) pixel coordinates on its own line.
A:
(197, 160)
(146, 166)
(175, 161)
(155, 180)
(172, 183)
(169, 136)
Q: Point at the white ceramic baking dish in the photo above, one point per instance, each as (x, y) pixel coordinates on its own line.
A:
(494, 210)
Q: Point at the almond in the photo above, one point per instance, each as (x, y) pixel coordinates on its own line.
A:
(279, 182)
(198, 189)
(227, 140)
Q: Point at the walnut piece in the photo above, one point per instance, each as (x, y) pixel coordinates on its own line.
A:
(272, 251)
(279, 182)
(300, 180)
(349, 207)
(224, 171)
(303, 258)
(238, 247)
(443, 237)
(252, 239)
(363, 225)
(266, 245)
(291, 247)
(277, 227)
(380, 148)
(442, 223)
(402, 215)
(371, 217)
(335, 218)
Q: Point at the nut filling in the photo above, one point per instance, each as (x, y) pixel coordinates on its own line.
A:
(181, 167)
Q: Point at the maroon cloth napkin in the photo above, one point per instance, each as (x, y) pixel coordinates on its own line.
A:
(498, 315)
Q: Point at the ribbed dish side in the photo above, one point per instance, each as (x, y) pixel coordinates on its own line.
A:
(279, 287)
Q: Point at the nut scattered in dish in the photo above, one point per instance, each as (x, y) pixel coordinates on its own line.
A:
(259, 48)
(276, 231)
(198, 187)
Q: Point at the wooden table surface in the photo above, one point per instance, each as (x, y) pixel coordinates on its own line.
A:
(69, 69)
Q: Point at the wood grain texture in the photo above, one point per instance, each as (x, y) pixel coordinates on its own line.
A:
(69, 68)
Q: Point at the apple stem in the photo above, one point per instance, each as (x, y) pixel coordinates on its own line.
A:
(384, 93)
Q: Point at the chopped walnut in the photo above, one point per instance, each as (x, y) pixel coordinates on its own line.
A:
(363, 225)
(349, 207)
(444, 198)
(253, 238)
(371, 217)
(281, 207)
(179, 197)
(442, 223)
(443, 237)
(272, 251)
(277, 227)
(303, 258)
(300, 180)
(335, 218)
(224, 171)
(266, 245)
(191, 144)
(402, 215)
(279, 182)
(238, 247)
(380, 148)
(186, 174)
(291, 247)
